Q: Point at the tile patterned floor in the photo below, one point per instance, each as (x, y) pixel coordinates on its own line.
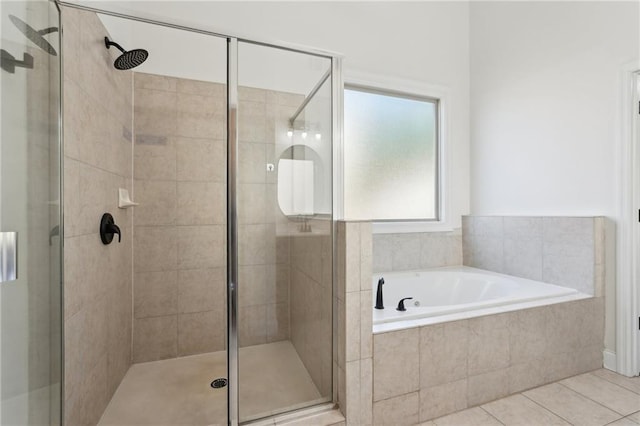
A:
(597, 398)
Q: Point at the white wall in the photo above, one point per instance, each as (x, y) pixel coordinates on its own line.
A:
(426, 42)
(545, 110)
(544, 100)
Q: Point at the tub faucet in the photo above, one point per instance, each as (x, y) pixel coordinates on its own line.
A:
(379, 302)
(401, 307)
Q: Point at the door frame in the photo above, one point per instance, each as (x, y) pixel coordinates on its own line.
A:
(628, 229)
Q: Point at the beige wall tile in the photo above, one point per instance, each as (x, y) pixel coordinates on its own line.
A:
(523, 257)
(527, 334)
(203, 88)
(201, 203)
(443, 399)
(252, 94)
(252, 122)
(201, 332)
(202, 160)
(154, 161)
(157, 201)
(252, 285)
(366, 391)
(395, 355)
(252, 204)
(382, 252)
(487, 387)
(406, 252)
(526, 375)
(366, 324)
(561, 328)
(277, 322)
(155, 338)
(200, 116)
(443, 353)
(352, 256)
(153, 81)
(256, 244)
(156, 294)
(201, 246)
(352, 317)
(155, 248)
(251, 163)
(401, 410)
(201, 289)
(488, 344)
(155, 112)
(252, 325)
(352, 377)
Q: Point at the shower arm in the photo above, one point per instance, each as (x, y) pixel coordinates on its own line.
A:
(110, 43)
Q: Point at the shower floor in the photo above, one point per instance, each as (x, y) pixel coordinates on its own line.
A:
(178, 391)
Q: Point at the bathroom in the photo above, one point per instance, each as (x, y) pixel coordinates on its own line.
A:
(231, 145)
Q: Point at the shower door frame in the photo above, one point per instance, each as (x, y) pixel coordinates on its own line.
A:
(337, 86)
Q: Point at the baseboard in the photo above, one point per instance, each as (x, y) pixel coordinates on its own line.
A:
(609, 358)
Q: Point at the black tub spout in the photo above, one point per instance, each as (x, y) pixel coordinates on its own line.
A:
(379, 301)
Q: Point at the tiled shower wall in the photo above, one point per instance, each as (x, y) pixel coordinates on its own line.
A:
(97, 161)
(311, 302)
(180, 224)
(179, 243)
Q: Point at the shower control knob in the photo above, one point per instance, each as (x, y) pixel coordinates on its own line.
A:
(108, 229)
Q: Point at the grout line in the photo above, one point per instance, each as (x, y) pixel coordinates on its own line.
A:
(610, 381)
(491, 415)
(544, 407)
(590, 399)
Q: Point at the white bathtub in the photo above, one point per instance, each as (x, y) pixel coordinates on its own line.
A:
(453, 293)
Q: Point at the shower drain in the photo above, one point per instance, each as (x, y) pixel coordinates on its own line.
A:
(219, 383)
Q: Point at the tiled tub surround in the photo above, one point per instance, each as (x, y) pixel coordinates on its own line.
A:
(97, 161)
(416, 250)
(567, 251)
(426, 372)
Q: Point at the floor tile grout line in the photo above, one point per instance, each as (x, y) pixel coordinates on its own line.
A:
(592, 373)
(610, 381)
(491, 415)
(546, 408)
(592, 400)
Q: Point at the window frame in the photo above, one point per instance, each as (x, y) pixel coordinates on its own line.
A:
(417, 91)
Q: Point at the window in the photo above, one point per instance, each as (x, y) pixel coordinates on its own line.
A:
(391, 156)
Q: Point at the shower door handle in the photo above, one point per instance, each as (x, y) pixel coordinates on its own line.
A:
(8, 256)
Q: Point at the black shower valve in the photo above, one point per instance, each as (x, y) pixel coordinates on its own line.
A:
(108, 228)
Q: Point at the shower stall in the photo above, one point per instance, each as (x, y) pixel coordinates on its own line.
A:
(213, 156)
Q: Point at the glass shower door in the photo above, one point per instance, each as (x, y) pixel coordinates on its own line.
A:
(284, 217)
(30, 246)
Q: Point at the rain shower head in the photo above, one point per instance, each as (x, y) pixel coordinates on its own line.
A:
(129, 58)
(35, 36)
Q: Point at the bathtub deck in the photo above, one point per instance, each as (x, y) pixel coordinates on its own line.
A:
(597, 398)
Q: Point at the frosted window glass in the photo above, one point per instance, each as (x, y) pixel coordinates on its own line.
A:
(390, 157)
